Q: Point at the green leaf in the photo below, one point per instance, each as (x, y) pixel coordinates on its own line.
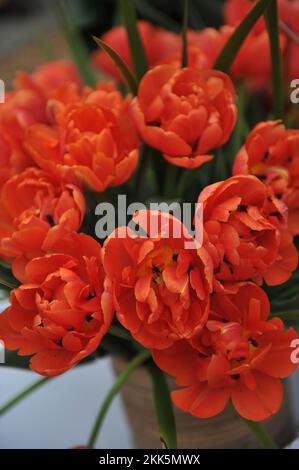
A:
(184, 34)
(164, 408)
(138, 56)
(7, 279)
(155, 15)
(120, 64)
(261, 434)
(74, 40)
(233, 45)
(27, 391)
(140, 358)
(272, 22)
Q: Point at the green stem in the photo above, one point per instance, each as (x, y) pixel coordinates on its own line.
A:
(241, 129)
(292, 117)
(119, 333)
(184, 34)
(22, 395)
(159, 166)
(141, 357)
(164, 408)
(7, 284)
(272, 22)
(221, 165)
(7, 279)
(184, 182)
(261, 434)
(170, 181)
(189, 177)
(145, 152)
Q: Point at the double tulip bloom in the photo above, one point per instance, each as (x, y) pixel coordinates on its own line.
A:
(246, 233)
(160, 288)
(61, 312)
(35, 209)
(272, 154)
(240, 355)
(27, 105)
(92, 141)
(185, 113)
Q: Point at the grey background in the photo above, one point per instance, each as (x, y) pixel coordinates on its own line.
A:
(60, 414)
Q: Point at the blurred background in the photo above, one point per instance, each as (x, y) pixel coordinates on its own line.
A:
(31, 31)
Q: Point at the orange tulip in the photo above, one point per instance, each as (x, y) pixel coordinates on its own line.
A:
(93, 140)
(272, 154)
(240, 355)
(27, 105)
(236, 10)
(245, 233)
(185, 113)
(255, 74)
(12, 160)
(32, 204)
(62, 312)
(161, 289)
(196, 59)
(289, 14)
(157, 42)
(19, 110)
(210, 41)
(48, 77)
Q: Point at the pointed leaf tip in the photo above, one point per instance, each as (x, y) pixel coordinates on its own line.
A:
(121, 66)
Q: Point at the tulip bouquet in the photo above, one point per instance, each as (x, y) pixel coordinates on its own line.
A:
(201, 116)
